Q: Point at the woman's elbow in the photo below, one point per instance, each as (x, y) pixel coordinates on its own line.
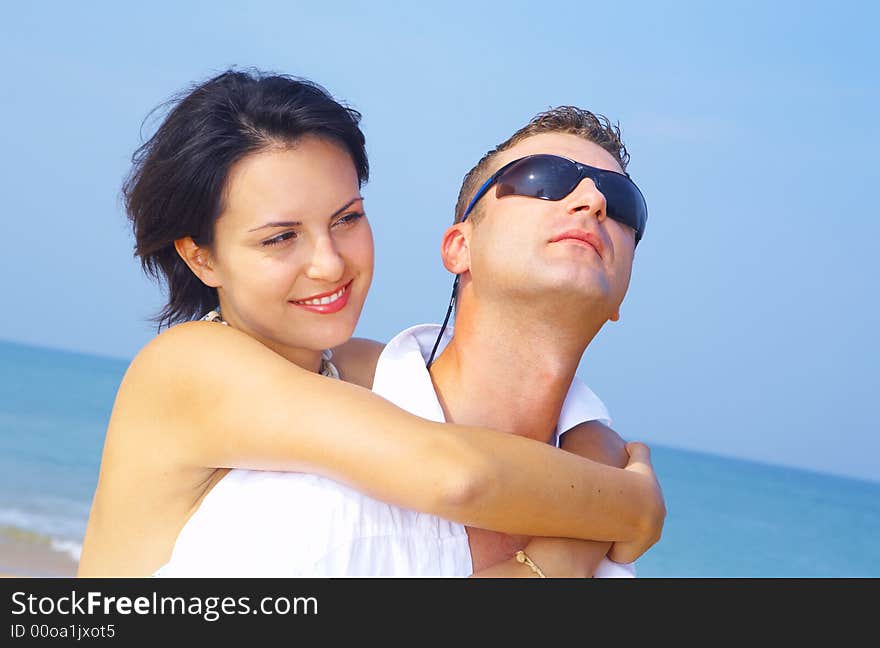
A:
(466, 482)
(653, 517)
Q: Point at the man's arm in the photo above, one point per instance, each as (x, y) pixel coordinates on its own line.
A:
(567, 557)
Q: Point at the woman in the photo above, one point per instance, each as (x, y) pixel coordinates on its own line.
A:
(248, 196)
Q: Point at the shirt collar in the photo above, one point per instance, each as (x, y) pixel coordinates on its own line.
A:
(401, 377)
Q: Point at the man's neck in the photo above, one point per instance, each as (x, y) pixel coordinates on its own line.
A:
(512, 378)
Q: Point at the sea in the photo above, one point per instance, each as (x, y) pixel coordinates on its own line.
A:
(726, 518)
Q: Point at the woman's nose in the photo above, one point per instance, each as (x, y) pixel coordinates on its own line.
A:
(326, 263)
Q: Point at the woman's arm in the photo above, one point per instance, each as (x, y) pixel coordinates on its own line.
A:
(215, 397)
(357, 360)
(567, 557)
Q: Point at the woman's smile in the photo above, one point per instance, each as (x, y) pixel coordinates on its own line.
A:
(328, 302)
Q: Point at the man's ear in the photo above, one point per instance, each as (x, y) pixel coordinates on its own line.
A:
(198, 259)
(455, 248)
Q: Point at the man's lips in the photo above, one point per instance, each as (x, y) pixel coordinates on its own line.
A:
(587, 238)
(327, 302)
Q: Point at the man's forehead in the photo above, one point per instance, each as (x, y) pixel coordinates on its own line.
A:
(564, 144)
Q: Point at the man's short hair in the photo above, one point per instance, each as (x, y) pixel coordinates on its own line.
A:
(592, 127)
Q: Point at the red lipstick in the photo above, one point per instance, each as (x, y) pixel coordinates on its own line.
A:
(336, 300)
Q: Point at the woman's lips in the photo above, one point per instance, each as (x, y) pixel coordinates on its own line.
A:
(333, 302)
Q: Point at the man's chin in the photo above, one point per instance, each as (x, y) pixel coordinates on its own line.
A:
(591, 288)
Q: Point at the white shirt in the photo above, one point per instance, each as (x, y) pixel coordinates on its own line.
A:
(285, 524)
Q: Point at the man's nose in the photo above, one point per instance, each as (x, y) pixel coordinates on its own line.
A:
(326, 263)
(586, 198)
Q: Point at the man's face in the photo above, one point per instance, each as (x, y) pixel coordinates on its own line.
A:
(567, 251)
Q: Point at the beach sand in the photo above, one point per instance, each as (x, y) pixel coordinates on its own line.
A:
(21, 557)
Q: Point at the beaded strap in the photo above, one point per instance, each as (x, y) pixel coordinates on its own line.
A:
(521, 557)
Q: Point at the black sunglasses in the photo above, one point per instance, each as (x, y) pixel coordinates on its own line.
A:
(552, 177)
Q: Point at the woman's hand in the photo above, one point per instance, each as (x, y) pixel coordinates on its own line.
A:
(652, 527)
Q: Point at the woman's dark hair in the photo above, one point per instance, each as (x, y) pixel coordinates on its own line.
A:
(178, 177)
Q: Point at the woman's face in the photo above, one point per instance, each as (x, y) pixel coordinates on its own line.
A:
(292, 257)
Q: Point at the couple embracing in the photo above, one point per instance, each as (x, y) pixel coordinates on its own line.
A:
(256, 437)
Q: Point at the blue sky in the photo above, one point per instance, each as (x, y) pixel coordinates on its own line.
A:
(750, 326)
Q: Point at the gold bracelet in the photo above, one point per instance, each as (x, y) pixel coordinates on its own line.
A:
(521, 557)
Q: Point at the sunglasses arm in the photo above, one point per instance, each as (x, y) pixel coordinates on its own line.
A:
(481, 192)
(445, 321)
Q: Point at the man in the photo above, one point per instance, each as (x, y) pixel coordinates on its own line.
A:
(540, 268)
(538, 279)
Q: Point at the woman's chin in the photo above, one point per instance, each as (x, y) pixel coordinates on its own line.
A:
(331, 336)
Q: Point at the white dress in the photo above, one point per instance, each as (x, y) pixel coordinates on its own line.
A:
(285, 524)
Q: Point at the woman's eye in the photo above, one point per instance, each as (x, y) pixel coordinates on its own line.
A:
(348, 219)
(275, 240)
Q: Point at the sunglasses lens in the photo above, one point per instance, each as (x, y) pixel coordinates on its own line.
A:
(625, 202)
(553, 178)
(538, 176)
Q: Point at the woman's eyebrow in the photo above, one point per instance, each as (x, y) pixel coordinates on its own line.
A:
(346, 206)
(277, 224)
(295, 223)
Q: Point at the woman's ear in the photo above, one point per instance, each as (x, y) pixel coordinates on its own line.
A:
(455, 248)
(198, 259)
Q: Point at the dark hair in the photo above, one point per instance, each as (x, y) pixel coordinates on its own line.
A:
(177, 182)
(563, 119)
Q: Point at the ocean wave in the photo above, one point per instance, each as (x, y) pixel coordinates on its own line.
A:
(55, 530)
(19, 536)
(71, 548)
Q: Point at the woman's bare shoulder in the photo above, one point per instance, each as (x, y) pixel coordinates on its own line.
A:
(193, 358)
(357, 359)
(194, 379)
(182, 348)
